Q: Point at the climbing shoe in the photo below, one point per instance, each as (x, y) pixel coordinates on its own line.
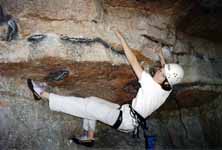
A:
(36, 89)
(83, 140)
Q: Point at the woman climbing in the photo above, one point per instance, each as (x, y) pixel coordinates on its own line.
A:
(151, 95)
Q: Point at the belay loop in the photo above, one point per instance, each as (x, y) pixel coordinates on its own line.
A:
(141, 123)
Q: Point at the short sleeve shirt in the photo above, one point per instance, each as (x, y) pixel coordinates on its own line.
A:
(150, 96)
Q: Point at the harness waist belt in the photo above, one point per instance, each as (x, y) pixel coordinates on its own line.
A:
(118, 121)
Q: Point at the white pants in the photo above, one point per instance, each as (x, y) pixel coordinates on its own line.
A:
(90, 108)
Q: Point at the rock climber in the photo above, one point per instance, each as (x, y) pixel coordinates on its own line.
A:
(151, 95)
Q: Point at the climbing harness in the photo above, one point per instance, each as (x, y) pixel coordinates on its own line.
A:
(141, 121)
(119, 119)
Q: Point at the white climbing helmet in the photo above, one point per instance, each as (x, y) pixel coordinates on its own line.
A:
(174, 73)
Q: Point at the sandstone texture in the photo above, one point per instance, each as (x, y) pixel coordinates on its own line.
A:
(77, 36)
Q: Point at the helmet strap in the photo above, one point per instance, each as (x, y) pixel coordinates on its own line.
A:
(166, 86)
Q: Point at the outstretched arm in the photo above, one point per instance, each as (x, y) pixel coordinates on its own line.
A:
(130, 56)
(158, 51)
(162, 60)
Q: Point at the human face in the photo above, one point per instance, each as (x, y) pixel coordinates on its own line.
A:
(159, 76)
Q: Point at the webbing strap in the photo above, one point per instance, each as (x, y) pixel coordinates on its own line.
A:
(140, 120)
(118, 121)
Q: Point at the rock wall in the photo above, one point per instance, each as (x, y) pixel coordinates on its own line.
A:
(76, 36)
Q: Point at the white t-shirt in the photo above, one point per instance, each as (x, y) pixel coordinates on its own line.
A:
(150, 96)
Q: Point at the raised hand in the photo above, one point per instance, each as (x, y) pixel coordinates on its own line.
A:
(158, 50)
